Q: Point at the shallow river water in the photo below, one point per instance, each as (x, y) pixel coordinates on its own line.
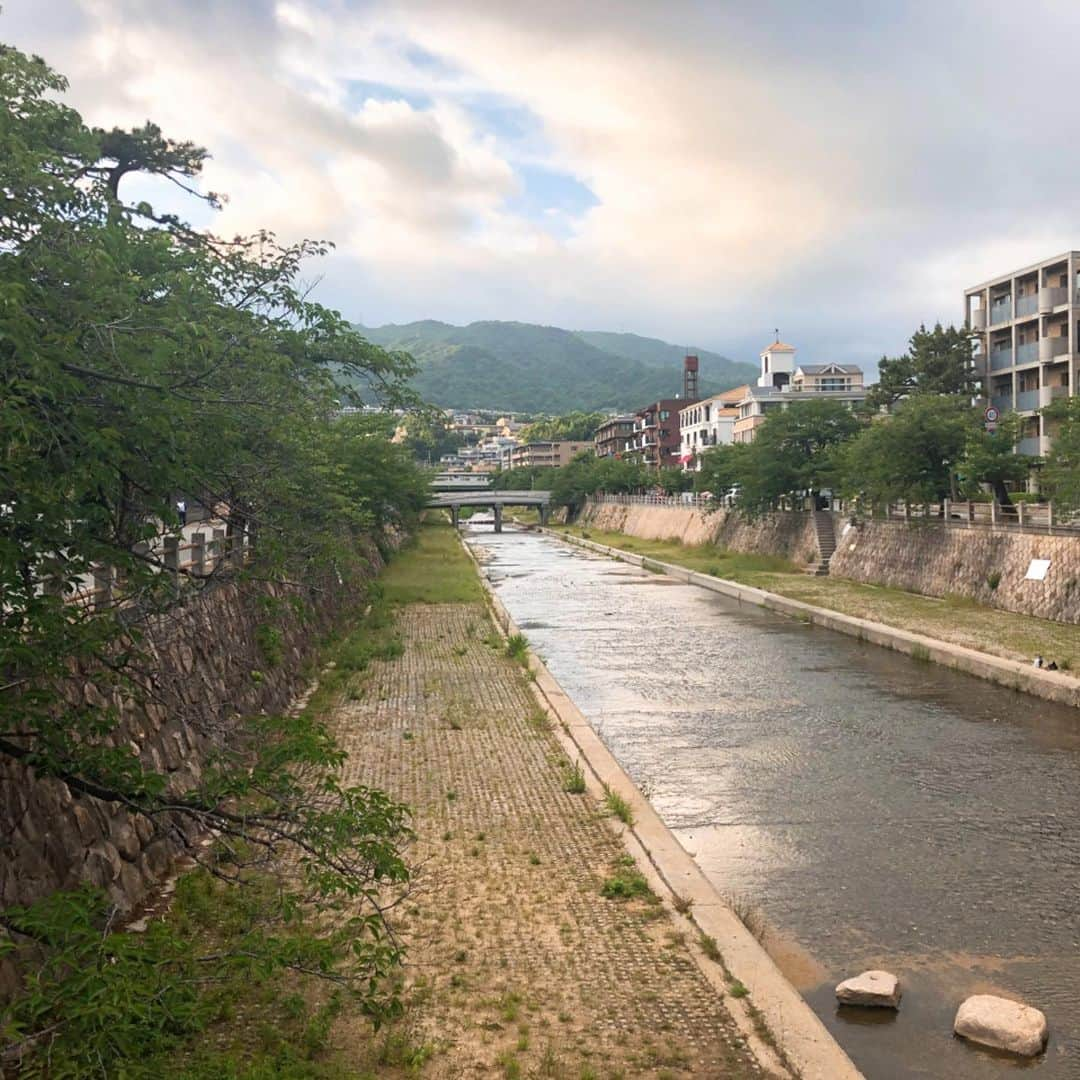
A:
(878, 811)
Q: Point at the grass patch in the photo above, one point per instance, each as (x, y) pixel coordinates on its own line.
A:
(517, 648)
(626, 883)
(432, 568)
(618, 806)
(575, 780)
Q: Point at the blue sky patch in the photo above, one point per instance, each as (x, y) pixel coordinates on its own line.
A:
(546, 189)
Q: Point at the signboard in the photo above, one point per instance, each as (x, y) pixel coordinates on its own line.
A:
(991, 415)
(1037, 570)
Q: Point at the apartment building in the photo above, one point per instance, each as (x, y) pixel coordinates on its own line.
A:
(783, 381)
(612, 436)
(1027, 337)
(708, 423)
(655, 441)
(545, 455)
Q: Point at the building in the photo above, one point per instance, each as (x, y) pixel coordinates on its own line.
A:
(655, 441)
(782, 381)
(545, 455)
(1027, 338)
(708, 423)
(612, 436)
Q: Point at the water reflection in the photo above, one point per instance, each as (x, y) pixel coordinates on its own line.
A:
(882, 813)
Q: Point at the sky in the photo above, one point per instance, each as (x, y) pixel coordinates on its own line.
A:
(699, 172)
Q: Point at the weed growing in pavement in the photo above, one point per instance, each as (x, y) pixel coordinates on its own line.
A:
(627, 883)
(710, 948)
(747, 913)
(618, 806)
(736, 989)
(682, 904)
(575, 780)
(517, 648)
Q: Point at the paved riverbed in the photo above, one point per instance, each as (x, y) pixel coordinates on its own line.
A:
(879, 811)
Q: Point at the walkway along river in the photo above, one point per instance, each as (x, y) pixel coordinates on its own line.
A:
(879, 811)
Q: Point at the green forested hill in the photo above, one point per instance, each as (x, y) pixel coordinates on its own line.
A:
(522, 367)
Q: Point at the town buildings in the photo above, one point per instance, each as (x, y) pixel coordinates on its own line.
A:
(1027, 337)
(541, 455)
(656, 441)
(613, 434)
(707, 423)
(782, 381)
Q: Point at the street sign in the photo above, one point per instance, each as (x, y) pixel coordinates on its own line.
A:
(991, 415)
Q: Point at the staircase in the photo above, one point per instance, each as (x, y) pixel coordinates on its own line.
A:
(826, 542)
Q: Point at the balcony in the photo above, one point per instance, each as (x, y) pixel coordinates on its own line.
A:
(1000, 313)
(1028, 353)
(1003, 402)
(1049, 394)
(978, 318)
(1049, 347)
(1026, 400)
(1051, 296)
(1001, 358)
(1027, 305)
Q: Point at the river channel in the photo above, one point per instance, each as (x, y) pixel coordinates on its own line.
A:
(878, 811)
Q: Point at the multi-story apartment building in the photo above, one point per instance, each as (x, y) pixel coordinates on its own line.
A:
(707, 423)
(1027, 338)
(612, 436)
(550, 455)
(782, 381)
(655, 441)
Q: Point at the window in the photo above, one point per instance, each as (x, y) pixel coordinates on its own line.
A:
(664, 414)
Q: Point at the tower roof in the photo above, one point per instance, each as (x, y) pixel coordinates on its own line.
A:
(778, 346)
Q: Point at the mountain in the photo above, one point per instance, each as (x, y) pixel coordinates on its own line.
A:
(522, 367)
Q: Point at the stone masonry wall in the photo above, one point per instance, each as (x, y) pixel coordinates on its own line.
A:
(788, 535)
(208, 669)
(939, 561)
(918, 557)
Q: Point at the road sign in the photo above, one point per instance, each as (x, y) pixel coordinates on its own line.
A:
(991, 414)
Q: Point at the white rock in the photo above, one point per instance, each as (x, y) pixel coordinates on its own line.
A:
(1002, 1024)
(879, 988)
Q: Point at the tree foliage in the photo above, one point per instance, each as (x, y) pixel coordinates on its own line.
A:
(572, 427)
(938, 361)
(142, 361)
(1061, 474)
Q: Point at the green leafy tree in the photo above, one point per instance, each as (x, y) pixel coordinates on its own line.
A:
(991, 458)
(938, 361)
(573, 427)
(1060, 477)
(722, 468)
(428, 437)
(793, 453)
(141, 361)
(910, 455)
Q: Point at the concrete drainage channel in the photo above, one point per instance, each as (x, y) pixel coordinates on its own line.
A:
(1049, 685)
(780, 1026)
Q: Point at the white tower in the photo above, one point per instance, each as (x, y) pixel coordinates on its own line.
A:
(777, 365)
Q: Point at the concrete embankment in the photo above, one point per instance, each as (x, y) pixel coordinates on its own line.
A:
(773, 1008)
(1050, 685)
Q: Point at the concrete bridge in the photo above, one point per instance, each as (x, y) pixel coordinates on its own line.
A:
(496, 500)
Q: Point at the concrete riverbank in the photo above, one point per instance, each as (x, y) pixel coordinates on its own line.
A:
(1017, 675)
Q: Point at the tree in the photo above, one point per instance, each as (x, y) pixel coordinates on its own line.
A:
(1061, 472)
(573, 427)
(910, 455)
(141, 359)
(722, 469)
(793, 453)
(428, 437)
(991, 458)
(938, 361)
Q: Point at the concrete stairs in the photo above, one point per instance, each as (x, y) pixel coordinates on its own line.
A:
(826, 542)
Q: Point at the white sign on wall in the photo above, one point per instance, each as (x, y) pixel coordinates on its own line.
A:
(1037, 570)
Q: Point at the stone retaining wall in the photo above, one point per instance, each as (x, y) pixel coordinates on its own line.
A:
(977, 564)
(209, 662)
(788, 535)
(980, 564)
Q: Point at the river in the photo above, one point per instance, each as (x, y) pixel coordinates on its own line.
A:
(878, 811)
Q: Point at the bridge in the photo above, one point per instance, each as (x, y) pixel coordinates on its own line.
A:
(495, 500)
(461, 482)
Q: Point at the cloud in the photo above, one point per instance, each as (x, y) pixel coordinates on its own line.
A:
(701, 172)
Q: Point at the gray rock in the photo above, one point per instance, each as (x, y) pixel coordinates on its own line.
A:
(877, 988)
(1002, 1024)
